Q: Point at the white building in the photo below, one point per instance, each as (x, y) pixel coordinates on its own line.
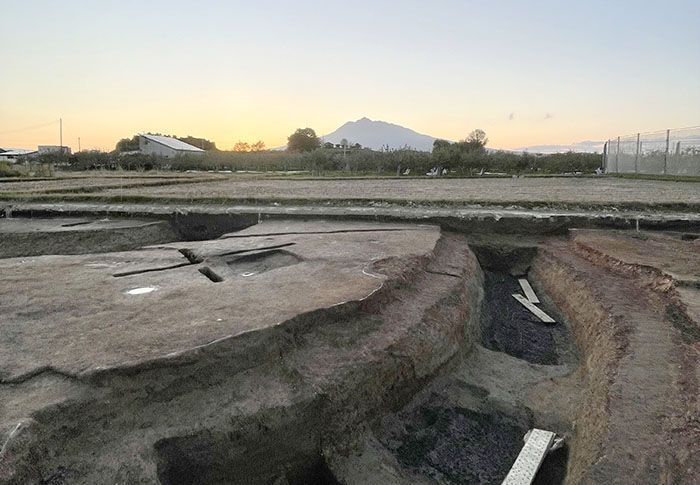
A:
(54, 149)
(12, 154)
(164, 146)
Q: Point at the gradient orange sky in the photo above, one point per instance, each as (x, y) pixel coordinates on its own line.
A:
(528, 73)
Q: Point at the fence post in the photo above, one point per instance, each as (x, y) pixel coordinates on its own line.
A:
(668, 132)
(605, 157)
(617, 156)
(636, 157)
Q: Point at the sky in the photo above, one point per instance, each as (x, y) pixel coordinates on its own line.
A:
(528, 73)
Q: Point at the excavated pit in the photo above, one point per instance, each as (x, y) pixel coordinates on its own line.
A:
(467, 426)
(409, 361)
(458, 445)
(262, 262)
(506, 325)
(509, 327)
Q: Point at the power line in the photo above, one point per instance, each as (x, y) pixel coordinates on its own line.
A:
(28, 128)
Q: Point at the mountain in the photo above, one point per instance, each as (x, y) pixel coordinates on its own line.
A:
(378, 134)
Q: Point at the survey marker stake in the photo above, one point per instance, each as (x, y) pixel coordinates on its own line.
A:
(536, 311)
(527, 289)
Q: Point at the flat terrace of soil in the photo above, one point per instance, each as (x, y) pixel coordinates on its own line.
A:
(586, 191)
(70, 224)
(93, 311)
(83, 182)
(676, 254)
(563, 190)
(249, 353)
(72, 235)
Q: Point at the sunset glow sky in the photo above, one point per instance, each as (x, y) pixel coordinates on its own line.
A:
(528, 73)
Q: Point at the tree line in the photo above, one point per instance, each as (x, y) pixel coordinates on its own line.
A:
(305, 151)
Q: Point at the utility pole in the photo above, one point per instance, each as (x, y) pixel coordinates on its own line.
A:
(60, 133)
(668, 133)
(78, 143)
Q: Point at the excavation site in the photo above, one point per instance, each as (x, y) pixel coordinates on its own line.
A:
(181, 347)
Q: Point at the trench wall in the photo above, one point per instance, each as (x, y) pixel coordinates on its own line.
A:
(601, 341)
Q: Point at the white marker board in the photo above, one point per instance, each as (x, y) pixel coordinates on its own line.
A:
(530, 458)
(536, 311)
(529, 292)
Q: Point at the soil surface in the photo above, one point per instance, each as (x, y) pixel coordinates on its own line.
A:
(676, 254)
(83, 182)
(648, 430)
(599, 191)
(191, 380)
(569, 190)
(132, 307)
(457, 445)
(305, 352)
(71, 235)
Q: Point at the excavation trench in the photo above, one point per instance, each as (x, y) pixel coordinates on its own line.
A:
(506, 325)
(434, 376)
(468, 425)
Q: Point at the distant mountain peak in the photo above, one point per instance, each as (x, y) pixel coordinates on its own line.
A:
(376, 134)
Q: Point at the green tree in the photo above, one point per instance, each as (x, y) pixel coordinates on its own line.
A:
(258, 146)
(202, 143)
(470, 151)
(127, 144)
(241, 146)
(477, 138)
(445, 154)
(523, 162)
(303, 140)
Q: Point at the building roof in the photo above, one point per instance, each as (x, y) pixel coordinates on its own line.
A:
(15, 152)
(173, 143)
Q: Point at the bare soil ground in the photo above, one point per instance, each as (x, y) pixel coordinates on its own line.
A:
(222, 402)
(641, 347)
(85, 183)
(603, 191)
(183, 310)
(562, 190)
(446, 386)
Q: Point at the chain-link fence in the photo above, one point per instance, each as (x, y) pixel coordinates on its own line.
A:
(670, 152)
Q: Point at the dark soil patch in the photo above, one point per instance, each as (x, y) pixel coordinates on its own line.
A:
(553, 468)
(507, 326)
(263, 261)
(456, 445)
(690, 332)
(61, 476)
